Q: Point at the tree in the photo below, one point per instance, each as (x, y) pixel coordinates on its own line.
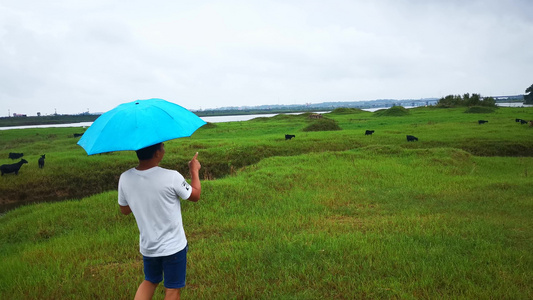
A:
(529, 89)
(489, 101)
(467, 100)
(473, 100)
(529, 98)
(450, 101)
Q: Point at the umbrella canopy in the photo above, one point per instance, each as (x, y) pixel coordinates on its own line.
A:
(138, 124)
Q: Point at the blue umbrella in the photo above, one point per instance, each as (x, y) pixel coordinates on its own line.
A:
(138, 124)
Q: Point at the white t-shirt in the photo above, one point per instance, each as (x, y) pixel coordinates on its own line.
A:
(153, 196)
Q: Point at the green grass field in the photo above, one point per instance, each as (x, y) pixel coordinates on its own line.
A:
(328, 214)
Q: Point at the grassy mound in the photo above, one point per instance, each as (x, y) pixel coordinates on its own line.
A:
(346, 110)
(479, 110)
(323, 125)
(395, 111)
(282, 117)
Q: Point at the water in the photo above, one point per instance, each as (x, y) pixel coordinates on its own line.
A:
(221, 119)
(514, 104)
(238, 118)
(215, 119)
(81, 124)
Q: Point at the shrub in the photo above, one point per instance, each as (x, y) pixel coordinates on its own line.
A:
(323, 124)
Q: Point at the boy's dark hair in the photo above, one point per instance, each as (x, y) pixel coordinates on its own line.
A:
(147, 152)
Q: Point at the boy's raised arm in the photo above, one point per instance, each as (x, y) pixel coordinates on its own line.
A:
(194, 169)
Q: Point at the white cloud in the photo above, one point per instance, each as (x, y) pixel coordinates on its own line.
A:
(72, 55)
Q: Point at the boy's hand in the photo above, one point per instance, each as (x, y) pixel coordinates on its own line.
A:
(194, 164)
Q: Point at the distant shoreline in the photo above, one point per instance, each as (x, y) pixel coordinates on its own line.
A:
(67, 119)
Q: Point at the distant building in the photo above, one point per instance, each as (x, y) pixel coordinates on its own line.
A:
(19, 115)
(38, 114)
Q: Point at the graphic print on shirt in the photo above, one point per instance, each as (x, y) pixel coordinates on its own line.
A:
(185, 185)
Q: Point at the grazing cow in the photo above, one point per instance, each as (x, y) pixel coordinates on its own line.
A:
(78, 134)
(482, 122)
(517, 120)
(13, 167)
(41, 161)
(369, 132)
(315, 116)
(15, 155)
(530, 123)
(522, 122)
(289, 136)
(411, 138)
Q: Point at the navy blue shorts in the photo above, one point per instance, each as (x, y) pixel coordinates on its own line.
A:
(173, 267)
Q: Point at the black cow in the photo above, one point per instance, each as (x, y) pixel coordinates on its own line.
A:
(15, 155)
(289, 136)
(78, 134)
(369, 132)
(482, 122)
(41, 161)
(13, 167)
(522, 122)
(411, 138)
(517, 120)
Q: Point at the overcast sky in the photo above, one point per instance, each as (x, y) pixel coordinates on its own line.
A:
(73, 56)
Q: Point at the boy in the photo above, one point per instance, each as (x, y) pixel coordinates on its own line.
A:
(152, 194)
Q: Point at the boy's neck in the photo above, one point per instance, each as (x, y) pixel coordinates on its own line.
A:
(147, 164)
